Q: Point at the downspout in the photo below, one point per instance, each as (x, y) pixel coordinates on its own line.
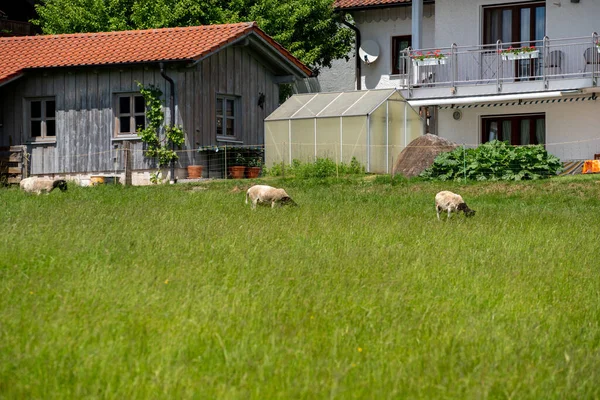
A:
(358, 60)
(172, 110)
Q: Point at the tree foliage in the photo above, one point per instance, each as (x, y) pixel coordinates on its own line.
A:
(494, 161)
(309, 29)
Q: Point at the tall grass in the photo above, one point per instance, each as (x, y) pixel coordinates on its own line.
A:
(184, 292)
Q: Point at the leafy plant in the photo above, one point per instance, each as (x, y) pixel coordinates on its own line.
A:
(157, 146)
(320, 168)
(255, 162)
(437, 55)
(494, 161)
(518, 50)
(239, 160)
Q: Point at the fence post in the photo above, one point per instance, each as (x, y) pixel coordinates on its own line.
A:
(225, 170)
(595, 59)
(128, 162)
(454, 71)
(464, 163)
(544, 60)
(498, 65)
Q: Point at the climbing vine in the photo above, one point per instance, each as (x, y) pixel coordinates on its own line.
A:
(156, 146)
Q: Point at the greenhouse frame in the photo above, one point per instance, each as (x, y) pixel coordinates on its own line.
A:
(373, 126)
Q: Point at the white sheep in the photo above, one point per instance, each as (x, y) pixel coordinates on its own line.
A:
(40, 185)
(451, 202)
(267, 194)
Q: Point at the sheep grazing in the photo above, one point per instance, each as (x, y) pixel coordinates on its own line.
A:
(42, 185)
(451, 202)
(266, 194)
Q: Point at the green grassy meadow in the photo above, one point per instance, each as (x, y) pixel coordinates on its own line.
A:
(185, 292)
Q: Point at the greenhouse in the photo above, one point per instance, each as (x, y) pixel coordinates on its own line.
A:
(373, 126)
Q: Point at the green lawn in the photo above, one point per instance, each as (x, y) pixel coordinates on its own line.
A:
(184, 292)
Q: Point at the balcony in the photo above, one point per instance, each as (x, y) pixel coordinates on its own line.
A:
(555, 64)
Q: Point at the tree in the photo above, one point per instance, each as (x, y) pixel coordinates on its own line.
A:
(309, 29)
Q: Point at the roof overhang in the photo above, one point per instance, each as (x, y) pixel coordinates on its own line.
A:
(379, 6)
(460, 101)
(10, 79)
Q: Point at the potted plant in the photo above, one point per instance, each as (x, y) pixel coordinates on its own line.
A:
(430, 58)
(519, 53)
(194, 171)
(239, 167)
(254, 168)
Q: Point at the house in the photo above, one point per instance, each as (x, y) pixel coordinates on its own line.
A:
(73, 101)
(521, 71)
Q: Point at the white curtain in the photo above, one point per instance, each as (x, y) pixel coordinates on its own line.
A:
(525, 134)
(540, 131)
(493, 133)
(506, 131)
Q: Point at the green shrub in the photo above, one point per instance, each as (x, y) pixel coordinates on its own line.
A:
(321, 168)
(494, 161)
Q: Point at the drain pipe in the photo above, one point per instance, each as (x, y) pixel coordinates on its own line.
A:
(172, 110)
(356, 55)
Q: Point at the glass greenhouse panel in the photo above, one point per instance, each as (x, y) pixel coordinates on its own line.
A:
(378, 141)
(354, 139)
(328, 138)
(303, 139)
(341, 103)
(369, 102)
(291, 105)
(277, 142)
(316, 105)
(396, 132)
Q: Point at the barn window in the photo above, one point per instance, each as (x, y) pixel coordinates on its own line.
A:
(131, 114)
(41, 118)
(227, 115)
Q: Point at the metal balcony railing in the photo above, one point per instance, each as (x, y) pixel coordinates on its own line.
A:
(502, 63)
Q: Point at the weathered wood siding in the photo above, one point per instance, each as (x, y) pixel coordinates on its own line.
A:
(85, 109)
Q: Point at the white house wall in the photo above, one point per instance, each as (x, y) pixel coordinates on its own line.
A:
(380, 26)
(460, 21)
(573, 138)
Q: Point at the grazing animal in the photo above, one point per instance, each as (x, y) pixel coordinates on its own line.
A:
(267, 194)
(42, 185)
(451, 202)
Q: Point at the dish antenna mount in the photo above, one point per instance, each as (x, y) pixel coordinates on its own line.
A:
(368, 52)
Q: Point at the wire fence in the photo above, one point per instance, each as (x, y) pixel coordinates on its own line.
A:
(216, 160)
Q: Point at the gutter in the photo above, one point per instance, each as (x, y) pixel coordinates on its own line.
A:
(172, 112)
(356, 56)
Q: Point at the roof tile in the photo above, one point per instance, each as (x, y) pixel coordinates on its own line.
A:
(343, 4)
(151, 45)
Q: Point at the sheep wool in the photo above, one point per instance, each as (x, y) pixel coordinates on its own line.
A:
(268, 194)
(42, 185)
(451, 202)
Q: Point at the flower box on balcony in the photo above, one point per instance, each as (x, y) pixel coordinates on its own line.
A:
(525, 55)
(429, 61)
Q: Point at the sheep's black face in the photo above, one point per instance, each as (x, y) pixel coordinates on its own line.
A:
(288, 202)
(61, 184)
(464, 208)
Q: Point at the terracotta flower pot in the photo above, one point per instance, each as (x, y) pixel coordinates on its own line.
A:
(252, 172)
(194, 171)
(237, 172)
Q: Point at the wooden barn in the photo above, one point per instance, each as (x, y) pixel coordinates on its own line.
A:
(72, 102)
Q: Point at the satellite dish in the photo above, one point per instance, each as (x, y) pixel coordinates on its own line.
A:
(368, 52)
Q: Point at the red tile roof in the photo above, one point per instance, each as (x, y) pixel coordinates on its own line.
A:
(343, 4)
(152, 45)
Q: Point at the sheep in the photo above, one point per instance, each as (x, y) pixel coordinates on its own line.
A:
(268, 194)
(38, 185)
(446, 200)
